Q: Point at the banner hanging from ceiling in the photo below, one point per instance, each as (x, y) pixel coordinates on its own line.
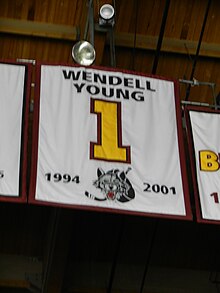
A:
(14, 101)
(108, 140)
(204, 140)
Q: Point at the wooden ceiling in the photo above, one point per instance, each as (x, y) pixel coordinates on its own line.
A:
(176, 38)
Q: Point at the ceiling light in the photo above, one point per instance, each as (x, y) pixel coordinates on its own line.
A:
(106, 14)
(83, 53)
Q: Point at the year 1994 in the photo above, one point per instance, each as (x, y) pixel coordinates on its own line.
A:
(65, 178)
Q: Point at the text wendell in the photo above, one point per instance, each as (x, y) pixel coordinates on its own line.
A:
(109, 86)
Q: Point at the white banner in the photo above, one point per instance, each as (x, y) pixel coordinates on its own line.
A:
(206, 148)
(12, 93)
(108, 140)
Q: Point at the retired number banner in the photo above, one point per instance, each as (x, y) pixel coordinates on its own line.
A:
(204, 138)
(108, 140)
(14, 98)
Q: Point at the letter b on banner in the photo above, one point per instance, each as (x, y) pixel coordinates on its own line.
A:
(208, 161)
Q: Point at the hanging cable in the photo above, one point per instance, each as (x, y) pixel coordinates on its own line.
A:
(160, 39)
(116, 254)
(198, 48)
(135, 35)
(149, 254)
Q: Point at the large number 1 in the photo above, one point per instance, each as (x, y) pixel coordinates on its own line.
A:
(109, 133)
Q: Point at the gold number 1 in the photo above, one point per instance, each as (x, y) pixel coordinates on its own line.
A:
(109, 132)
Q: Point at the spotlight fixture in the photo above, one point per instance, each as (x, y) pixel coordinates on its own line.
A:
(106, 15)
(83, 53)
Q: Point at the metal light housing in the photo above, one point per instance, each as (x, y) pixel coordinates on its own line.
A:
(83, 53)
(106, 15)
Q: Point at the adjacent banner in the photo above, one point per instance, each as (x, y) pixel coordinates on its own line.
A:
(204, 138)
(108, 140)
(14, 98)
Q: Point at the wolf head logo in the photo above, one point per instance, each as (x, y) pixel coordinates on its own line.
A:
(115, 185)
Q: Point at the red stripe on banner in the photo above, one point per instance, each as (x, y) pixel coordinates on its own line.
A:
(182, 153)
(35, 130)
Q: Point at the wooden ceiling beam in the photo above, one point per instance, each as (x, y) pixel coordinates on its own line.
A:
(170, 45)
(39, 29)
(71, 33)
